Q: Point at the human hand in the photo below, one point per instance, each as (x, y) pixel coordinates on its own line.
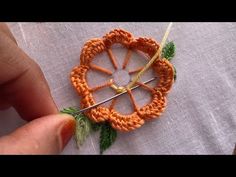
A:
(23, 86)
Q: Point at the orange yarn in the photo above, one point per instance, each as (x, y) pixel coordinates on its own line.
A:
(162, 67)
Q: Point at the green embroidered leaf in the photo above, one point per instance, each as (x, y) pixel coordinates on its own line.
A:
(83, 125)
(175, 74)
(83, 129)
(107, 137)
(72, 111)
(168, 51)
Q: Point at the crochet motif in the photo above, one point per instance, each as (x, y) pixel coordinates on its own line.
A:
(162, 68)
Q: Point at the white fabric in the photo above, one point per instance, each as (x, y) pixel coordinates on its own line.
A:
(200, 117)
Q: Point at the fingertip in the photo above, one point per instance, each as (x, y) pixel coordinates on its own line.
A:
(67, 130)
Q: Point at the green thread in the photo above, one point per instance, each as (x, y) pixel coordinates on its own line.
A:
(168, 51)
(83, 129)
(175, 74)
(70, 110)
(83, 125)
(107, 137)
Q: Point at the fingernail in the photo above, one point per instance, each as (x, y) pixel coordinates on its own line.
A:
(67, 131)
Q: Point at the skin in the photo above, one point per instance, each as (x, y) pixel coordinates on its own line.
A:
(24, 87)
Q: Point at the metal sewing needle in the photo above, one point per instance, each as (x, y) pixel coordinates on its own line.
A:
(115, 96)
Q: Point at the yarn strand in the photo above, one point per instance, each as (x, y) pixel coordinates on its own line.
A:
(112, 58)
(154, 58)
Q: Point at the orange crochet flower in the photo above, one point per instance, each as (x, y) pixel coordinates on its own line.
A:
(162, 68)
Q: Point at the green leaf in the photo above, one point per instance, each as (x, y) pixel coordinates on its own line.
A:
(175, 74)
(107, 137)
(72, 111)
(168, 51)
(83, 125)
(83, 129)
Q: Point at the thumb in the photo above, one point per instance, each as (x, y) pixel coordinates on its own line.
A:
(45, 135)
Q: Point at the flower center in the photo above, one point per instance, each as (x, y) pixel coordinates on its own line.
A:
(121, 77)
